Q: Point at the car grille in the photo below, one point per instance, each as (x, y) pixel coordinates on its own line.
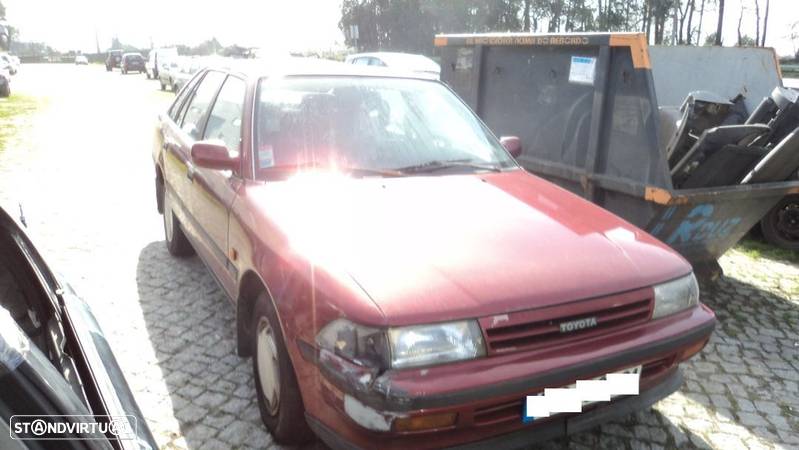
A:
(538, 328)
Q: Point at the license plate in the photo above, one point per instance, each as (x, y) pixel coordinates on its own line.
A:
(569, 398)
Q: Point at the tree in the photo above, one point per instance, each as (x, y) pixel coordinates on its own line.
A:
(2, 11)
(746, 41)
(765, 25)
(757, 22)
(710, 39)
(701, 16)
(720, 23)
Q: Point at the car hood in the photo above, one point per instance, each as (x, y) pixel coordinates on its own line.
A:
(434, 248)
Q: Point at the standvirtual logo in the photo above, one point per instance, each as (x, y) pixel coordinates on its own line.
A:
(72, 427)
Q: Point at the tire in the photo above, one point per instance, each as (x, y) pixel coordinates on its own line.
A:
(107, 68)
(176, 241)
(780, 225)
(163, 86)
(284, 417)
(5, 90)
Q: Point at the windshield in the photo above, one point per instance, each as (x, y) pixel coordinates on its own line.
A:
(372, 124)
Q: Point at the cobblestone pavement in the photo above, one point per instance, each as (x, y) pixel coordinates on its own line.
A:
(82, 169)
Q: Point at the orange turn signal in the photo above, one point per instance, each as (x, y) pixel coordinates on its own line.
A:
(426, 422)
(693, 349)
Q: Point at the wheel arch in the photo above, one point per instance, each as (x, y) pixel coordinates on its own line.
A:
(250, 287)
(159, 188)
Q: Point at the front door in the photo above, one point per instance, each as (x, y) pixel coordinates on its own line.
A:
(213, 191)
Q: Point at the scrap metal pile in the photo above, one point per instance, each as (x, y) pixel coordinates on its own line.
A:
(714, 143)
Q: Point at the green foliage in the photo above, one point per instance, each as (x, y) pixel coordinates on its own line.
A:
(409, 25)
(746, 41)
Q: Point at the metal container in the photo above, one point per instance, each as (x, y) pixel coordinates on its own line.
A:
(585, 109)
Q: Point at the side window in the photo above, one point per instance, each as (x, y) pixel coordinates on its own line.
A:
(198, 106)
(177, 107)
(224, 122)
(361, 61)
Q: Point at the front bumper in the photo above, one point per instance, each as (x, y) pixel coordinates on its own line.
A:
(487, 395)
(558, 426)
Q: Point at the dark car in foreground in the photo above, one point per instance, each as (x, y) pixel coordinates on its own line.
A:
(54, 360)
(398, 279)
(132, 62)
(113, 60)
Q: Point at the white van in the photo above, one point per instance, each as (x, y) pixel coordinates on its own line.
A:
(158, 57)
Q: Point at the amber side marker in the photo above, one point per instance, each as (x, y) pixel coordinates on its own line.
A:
(426, 422)
(693, 350)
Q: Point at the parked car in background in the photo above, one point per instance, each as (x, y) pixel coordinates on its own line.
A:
(81, 60)
(168, 70)
(185, 70)
(132, 62)
(10, 63)
(113, 60)
(54, 358)
(5, 83)
(398, 279)
(401, 61)
(156, 59)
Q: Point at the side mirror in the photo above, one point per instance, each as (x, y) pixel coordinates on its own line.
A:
(512, 144)
(214, 155)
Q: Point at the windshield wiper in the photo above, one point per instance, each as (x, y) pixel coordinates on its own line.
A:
(435, 165)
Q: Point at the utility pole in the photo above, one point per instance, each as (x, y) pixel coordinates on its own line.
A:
(96, 40)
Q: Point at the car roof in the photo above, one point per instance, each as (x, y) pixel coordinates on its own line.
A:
(297, 66)
(411, 60)
(132, 54)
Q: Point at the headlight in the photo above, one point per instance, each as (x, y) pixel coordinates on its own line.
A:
(675, 296)
(363, 345)
(425, 345)
(403, 347)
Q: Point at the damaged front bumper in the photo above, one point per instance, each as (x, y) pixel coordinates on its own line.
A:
(485, 396)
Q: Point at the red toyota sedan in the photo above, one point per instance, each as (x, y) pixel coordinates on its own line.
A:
(398, 279)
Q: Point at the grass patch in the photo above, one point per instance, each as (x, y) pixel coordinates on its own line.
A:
(759, 249)
(12, 112)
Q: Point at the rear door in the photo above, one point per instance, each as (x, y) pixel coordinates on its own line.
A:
(214, 190)
(179, 135)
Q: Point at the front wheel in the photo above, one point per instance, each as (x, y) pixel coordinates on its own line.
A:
(176, 241)
(780, 225)
(279, 399)
(5, 90)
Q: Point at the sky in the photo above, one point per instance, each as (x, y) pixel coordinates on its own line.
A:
(281, 25)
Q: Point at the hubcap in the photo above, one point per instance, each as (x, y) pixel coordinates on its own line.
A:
(268, 367)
